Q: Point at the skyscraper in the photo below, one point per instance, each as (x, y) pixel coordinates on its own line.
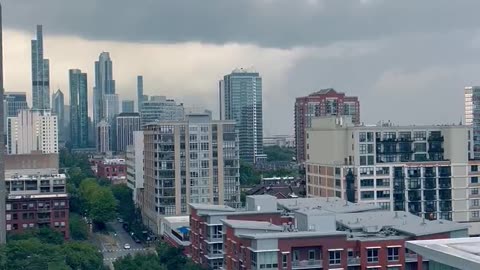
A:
(2, 161)
(15, 101)
(104, 84)
(40, 74)
(241, 93)
(58, 105)
(139, 93)
(128, 106)
(472, 116)
(326, 102)
(125, 124)
(110, 107)
(78, 109)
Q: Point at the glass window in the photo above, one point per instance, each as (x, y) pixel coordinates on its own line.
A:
(393, 254)
(372, 255)
(474, 180)
(474, 168)
(362, 136)
(311, 255)
(474, 191)
(334, 257)
(363, 149)
(284, 260)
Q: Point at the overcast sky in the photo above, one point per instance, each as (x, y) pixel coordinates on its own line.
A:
(408, 61)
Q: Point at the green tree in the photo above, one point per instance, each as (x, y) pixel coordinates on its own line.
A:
(78, 227)
(45, 235)
(277, 153)
(80, 255)
(125, 206)
(172, 258)
(139, 262)
(33, 254)
(98, 201)
(248, 175)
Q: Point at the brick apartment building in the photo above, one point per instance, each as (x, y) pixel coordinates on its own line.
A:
(113, 169)
(37, 195)
(310, 233)
(326, 102)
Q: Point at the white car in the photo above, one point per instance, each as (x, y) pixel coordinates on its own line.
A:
(126, 246)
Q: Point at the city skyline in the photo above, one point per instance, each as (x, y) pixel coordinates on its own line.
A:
(399, 64)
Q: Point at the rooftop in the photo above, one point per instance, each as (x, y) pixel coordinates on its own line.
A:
(324, 92)
(330, 204)
(37, 196)
(254, 225)
(211, 207)
(382, 222)
(460, 253)
(286, 234)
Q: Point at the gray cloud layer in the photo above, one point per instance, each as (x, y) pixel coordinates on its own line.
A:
(271, 23)
(407, 60)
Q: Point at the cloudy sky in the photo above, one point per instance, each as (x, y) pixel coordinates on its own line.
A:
(407, 60)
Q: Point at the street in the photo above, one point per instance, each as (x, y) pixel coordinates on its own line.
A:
(112, 246)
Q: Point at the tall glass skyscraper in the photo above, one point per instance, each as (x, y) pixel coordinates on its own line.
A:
(241, 100)
(15, 101)
(78, 109)
(40, 74)
(104, 85)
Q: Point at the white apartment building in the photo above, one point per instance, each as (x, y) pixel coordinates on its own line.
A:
(32, 130)
(103, 137)
(135, 165)
(190, 161)
(426, 170)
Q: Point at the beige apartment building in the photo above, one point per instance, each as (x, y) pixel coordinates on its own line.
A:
(426, 170)
(190, 161)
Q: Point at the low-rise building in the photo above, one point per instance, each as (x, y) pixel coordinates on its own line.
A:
(113, 169)
(37, 195)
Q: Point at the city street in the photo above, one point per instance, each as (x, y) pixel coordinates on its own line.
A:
(112, 245)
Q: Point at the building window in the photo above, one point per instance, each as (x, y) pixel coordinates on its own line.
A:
(475, 214)
(311, 255)
(284, 260)
(474, 180)
(372, 255)
(474, 191)
(334, 257)
(475, 202)
(393, 254)
(474, 168)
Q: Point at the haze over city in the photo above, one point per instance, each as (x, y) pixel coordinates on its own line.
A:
(404, 59)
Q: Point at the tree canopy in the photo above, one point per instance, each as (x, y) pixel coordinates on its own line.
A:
(98, 201)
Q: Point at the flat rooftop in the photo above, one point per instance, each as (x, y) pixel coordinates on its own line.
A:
(330, 204)
(254, 225)
(380, 222)
(460, 253)
(212, 207)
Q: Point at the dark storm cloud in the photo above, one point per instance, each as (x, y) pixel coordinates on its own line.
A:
(270, 23)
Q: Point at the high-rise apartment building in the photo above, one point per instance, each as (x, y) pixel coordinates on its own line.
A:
(103, 137)
(32, 130)
(190, 161)
(472, 116)
(159, 108)
(326, 102)
(40, 74)
(104, 84)
(125, 125)
(2, 142)
(128, 106)
(78, 109)
(424, 170)
(241, 100)
(140, 97)
(58, 104)
(15, 101)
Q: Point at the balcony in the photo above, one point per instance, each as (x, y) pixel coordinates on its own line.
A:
(353, 261)
(435, 138)
(307, 264)
(43, 209)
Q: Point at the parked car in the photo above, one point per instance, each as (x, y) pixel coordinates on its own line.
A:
(126, 246)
